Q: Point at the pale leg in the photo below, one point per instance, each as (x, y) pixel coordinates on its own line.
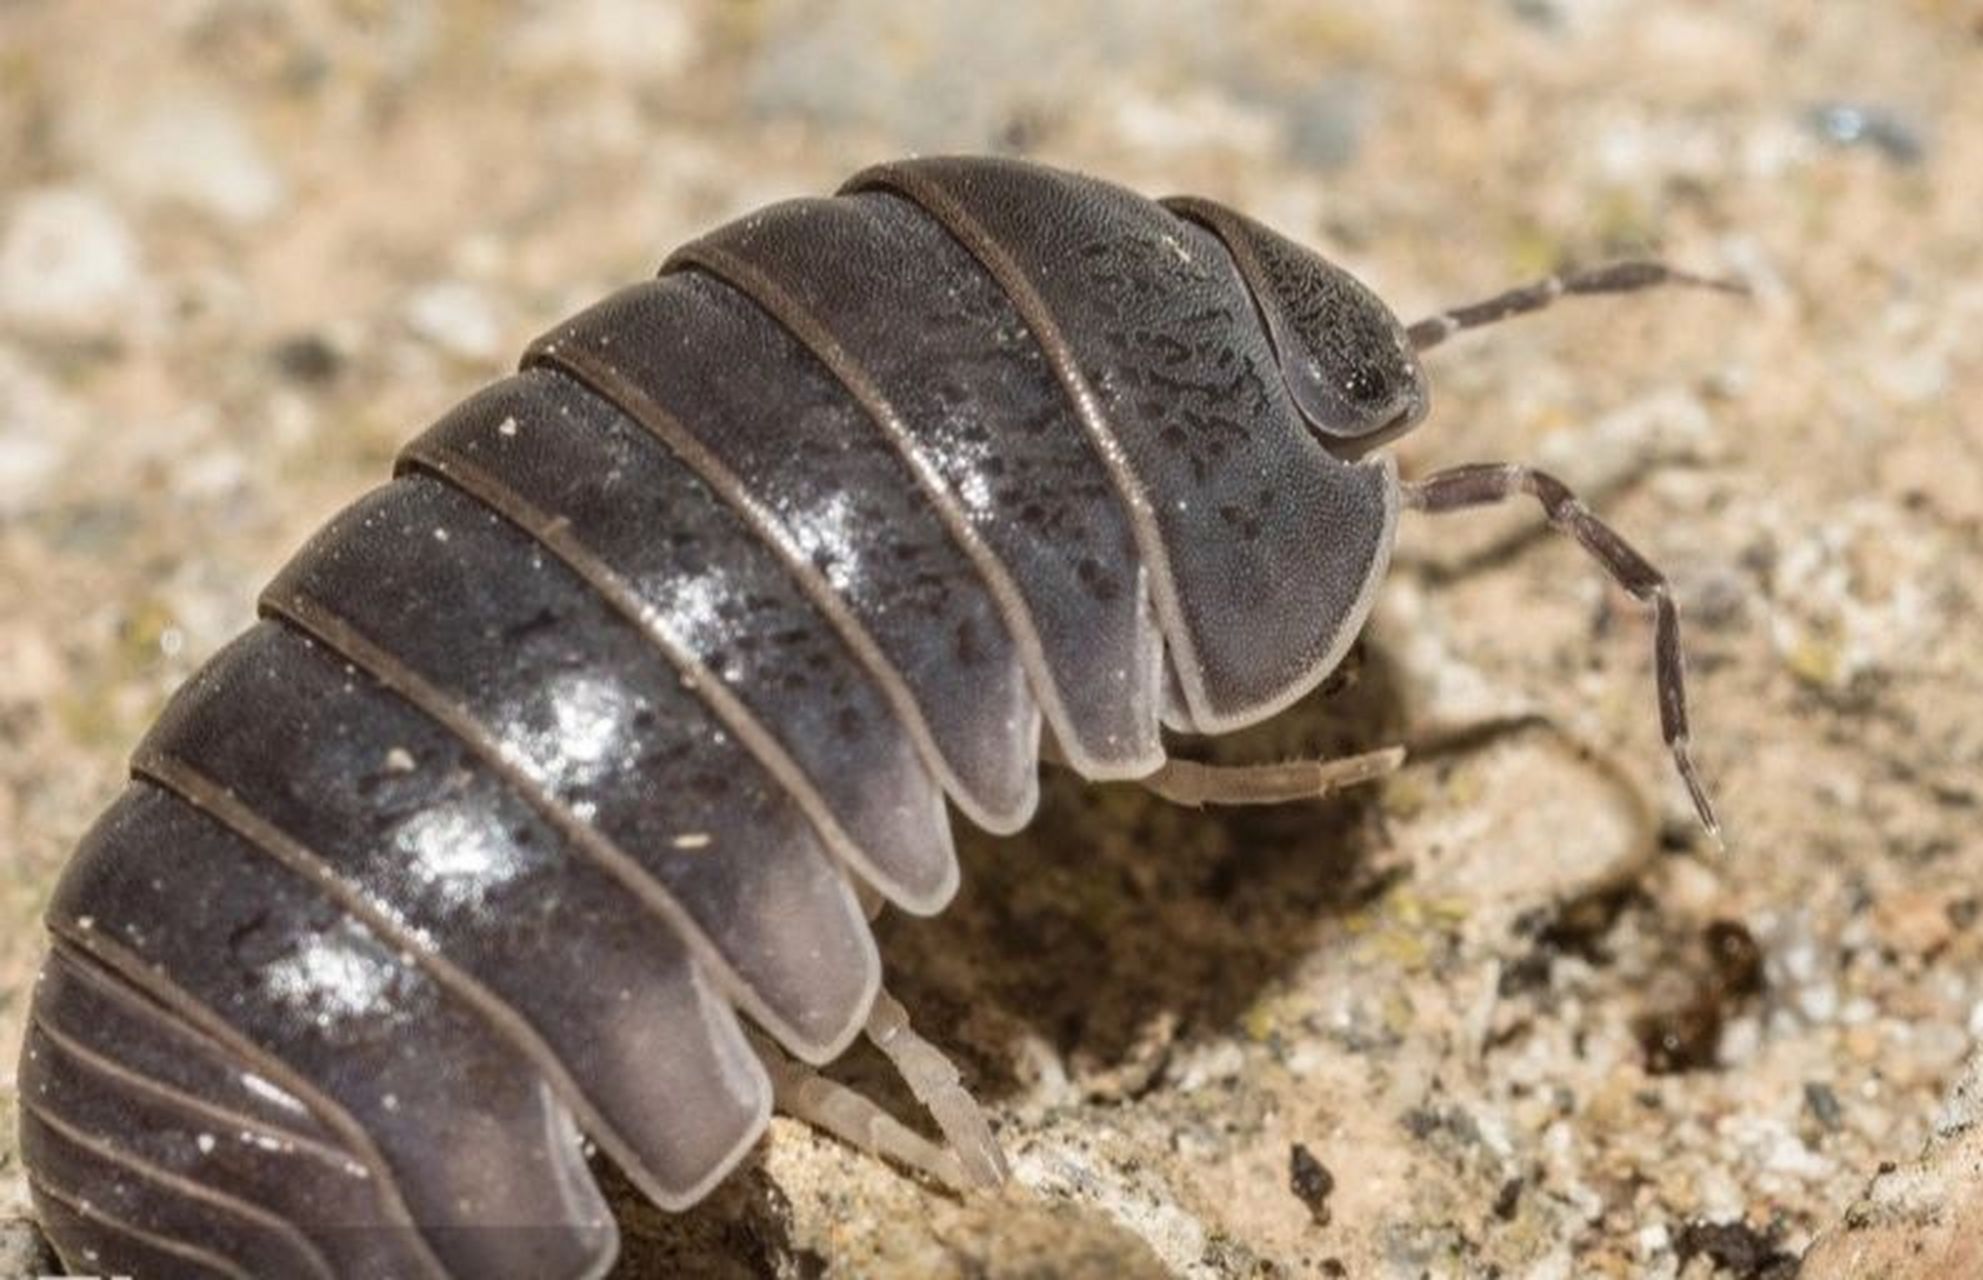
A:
(1187, 782)
(972, 1161)
(936, 1084)
(807, 1096)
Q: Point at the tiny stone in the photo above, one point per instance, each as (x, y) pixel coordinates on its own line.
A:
(307, 358)
(1824, 1105)
(40, 429)
(1685, 1038)
(67, 262)
(1914, 923)
(1735, 1248)
(458, 318)
(1857, 124)
(198, 152)
(1311, 1182)
(1737, 960)
(23, 1251)
(1741, 1041)
(593, 37)
(1818, 1002)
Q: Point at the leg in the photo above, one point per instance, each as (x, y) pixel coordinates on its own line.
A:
(938, 1086)
(1484, 484)
(1616, 277)
(1188, 782)
(805, 1095)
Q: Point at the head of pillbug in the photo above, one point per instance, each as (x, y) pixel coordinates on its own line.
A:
(1348, 364)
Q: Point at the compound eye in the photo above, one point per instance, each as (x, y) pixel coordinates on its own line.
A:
(1359, 401)
(1366, 384)
(1347, 362)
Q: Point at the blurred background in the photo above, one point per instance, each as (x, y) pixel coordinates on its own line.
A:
(1508, 1015)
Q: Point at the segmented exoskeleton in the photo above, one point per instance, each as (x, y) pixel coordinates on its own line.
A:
(560, 751)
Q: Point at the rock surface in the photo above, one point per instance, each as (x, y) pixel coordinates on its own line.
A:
(248, 248)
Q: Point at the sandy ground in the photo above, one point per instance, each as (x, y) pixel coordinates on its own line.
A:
(246, 247)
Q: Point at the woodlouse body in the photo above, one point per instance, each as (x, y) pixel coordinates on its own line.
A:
(554, 754)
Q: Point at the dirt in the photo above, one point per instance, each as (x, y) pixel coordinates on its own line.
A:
(247, 247)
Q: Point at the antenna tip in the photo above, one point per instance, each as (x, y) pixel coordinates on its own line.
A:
(1698, 793)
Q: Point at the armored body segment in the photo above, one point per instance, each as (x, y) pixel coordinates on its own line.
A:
(106, 1244)
(460, 1133)
(1264, 551)
(119, 1070)
(647, 528)
(993, 435)
(400, 822)
(79, 1000)
(155, 1142)
(479, 623)
(768, 426)
(148, 1198)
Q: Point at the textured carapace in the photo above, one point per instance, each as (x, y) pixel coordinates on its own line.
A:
(559, 757)
(1351, 370)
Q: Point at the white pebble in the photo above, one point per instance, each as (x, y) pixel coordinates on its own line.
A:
(196, 152)
(458, 318)
(618, 39)
(1818, 1002)
(39, 429)
(67, 262)
(1193, 1069)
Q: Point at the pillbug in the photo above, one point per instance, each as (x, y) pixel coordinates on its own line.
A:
(555, 789)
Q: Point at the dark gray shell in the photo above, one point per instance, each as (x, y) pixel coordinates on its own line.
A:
(561, 750)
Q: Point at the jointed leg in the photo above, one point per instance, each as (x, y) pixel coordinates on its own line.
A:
(805, 1095)
(1615, 277)
(1484, 484)
(1188, 782)
(972, 1161)
(936, 1084)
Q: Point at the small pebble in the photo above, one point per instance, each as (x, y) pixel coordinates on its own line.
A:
(592, 37)
(1853, 124)
(23, 1250)
(1823, 1105)
(196, 152)
(458, 318)
(68, 264)
(1737, 960)
(1680, 1039)
(1311, 1182)
(1736, 1249)
(307, 358)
